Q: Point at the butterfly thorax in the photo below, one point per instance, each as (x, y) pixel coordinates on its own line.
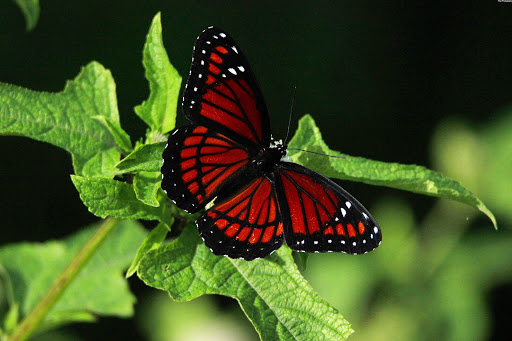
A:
(268, 158)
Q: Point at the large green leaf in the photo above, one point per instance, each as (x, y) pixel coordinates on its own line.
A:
(159, 110)
(99, 289)
(271, 291)
(68, 119)
(412, 178)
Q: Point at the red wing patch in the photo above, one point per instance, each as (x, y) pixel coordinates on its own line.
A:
(246, 225)
(197, 164)
(222, 91)
(320, 216)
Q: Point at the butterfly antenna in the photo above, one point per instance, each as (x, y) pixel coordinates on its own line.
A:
(317, 153)
(290, 116)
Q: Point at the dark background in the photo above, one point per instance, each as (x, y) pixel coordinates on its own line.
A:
(376, 78)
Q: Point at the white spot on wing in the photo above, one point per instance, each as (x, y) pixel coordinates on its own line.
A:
(348, 204)
(232, 70)
(343, 212)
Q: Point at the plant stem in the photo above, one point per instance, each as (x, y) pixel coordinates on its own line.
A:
(34, 318)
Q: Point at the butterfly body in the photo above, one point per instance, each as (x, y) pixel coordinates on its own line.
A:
(225, 154)
(268, 159)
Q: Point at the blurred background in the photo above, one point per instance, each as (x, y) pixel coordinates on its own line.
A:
(424, 84)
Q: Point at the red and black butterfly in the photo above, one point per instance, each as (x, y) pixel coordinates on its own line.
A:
(226, 153)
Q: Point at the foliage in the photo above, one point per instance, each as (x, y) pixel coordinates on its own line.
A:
(83, 119)
(28, 270)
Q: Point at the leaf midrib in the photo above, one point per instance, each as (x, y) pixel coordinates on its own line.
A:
(258, 293)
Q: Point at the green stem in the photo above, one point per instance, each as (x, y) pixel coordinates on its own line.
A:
(34, 318)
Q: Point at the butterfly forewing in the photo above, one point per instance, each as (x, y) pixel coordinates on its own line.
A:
(222, 92)
(246, 225)
(198, 162)
(320, 216)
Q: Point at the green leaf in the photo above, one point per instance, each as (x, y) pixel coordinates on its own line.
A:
(153, 240)
(159, 110)
(412, 178)
(147, 157)
(65, 119)
(120, 136)
(107, 197)
(271, 291)
(30, 9)
(146, 186)
(99, 289)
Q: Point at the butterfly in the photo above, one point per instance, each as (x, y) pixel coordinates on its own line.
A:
(226, 153)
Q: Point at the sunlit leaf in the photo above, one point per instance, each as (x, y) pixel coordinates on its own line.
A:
(273, 294)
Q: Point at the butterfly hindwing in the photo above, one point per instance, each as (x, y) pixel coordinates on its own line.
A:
(222, 92)
(245, 225)
(199, 162)
(320, 216)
